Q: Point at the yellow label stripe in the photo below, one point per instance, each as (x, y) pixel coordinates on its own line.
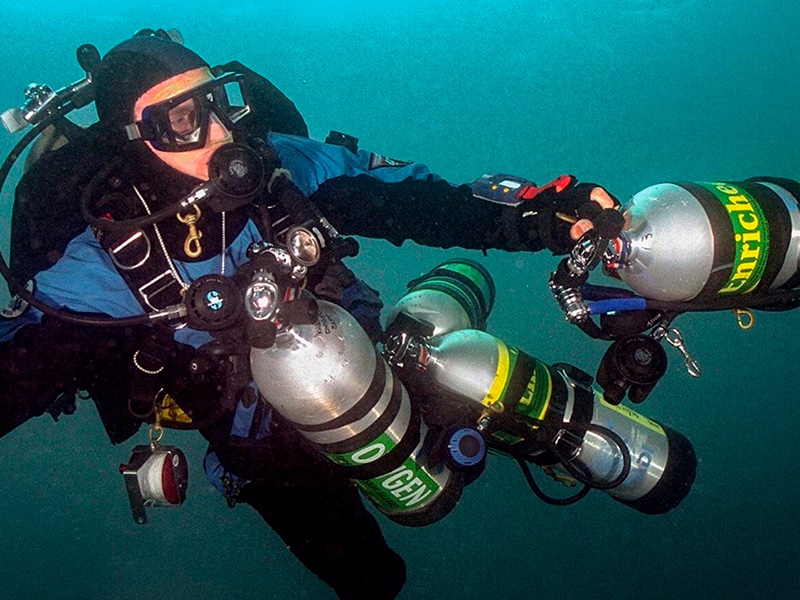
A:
(500, 376)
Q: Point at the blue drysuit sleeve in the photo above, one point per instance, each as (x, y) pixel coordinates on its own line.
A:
(312, 163)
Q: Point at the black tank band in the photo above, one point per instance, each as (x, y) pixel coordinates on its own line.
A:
(724, 245)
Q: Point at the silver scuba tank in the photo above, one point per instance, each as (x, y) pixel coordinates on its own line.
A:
(328, 380)
(457, 294)
(523, 403)
(707, 240)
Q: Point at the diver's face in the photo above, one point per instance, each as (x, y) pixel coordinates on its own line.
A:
(184, 122)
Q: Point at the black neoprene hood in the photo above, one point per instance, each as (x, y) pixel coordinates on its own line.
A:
(133, 67)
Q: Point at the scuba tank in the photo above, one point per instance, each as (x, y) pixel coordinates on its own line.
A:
(521, 407)
(687, 241)
(328, 380)
(685, 247)
(352, 407)
(552, 417)
(457, 294)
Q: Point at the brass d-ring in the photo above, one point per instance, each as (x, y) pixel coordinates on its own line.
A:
(745, 318)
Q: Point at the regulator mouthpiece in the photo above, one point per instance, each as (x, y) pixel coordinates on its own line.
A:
(236, 176)
(633, 364)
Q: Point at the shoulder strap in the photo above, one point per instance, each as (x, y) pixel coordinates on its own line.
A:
(140, 260)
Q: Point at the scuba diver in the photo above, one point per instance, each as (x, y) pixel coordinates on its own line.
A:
(215, 226)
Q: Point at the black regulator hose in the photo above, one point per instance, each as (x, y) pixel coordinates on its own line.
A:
(767, 301)
(582, 476)
(539, 493)
(128, 224)
(18, 289)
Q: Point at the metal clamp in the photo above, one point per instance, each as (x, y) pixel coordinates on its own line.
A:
(674, 338)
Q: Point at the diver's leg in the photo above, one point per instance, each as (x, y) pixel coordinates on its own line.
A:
(320, 516)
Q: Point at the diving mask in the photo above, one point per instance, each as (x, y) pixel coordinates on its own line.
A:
(181, 123)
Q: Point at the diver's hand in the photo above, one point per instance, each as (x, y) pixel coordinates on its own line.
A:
(604, 200)
(566, 210)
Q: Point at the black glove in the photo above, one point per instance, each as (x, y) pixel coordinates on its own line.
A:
(558, 205)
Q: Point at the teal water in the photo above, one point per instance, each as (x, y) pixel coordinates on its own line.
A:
(626, 93)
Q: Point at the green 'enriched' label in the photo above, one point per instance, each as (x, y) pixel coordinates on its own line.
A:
(751, 234)
(536, 399)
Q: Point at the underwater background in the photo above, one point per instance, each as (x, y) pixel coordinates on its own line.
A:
(625, 93)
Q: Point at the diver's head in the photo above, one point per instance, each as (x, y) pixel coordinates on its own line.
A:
(157, 90)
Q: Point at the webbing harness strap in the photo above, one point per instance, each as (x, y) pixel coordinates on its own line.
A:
(142, 264)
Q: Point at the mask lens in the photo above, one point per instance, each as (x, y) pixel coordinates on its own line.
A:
(183, 121)
(229, 97)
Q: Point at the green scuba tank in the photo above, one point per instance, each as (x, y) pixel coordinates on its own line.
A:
(457, 294)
